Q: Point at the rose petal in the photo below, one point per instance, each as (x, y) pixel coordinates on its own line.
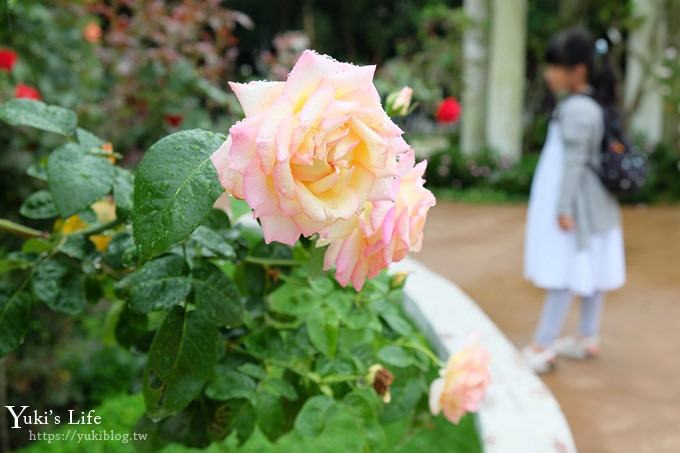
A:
(280, 229)
(436, 389)
(257, 96)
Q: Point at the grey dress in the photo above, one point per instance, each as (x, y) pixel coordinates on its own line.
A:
(582, 195)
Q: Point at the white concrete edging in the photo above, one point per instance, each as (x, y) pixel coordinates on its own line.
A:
(519, 414)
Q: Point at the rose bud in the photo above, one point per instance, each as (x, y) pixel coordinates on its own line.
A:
(380, 379)
(398, 103)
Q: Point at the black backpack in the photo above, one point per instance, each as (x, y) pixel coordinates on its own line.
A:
(624, 168)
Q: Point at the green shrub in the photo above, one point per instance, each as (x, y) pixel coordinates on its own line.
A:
(237, 339)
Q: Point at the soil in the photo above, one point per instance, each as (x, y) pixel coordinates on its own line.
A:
(627, 400)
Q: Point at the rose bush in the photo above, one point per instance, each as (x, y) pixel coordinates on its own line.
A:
(244, 340)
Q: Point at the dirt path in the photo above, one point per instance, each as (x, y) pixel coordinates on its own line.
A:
(629, 399)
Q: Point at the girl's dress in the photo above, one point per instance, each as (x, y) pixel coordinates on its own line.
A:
(552, 258)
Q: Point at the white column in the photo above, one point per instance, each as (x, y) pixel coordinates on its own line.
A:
(642, 97)
(475, 43)
(505, 101)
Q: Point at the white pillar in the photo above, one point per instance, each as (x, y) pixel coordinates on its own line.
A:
(505, 101)
(475, 43)
(642, 96)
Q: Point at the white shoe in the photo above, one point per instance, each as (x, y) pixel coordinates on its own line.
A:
(541, 361)
(578, 348)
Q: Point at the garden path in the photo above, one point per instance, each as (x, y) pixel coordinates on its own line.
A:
(626, 401)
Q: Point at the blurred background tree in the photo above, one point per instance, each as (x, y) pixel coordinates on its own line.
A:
(136, 70)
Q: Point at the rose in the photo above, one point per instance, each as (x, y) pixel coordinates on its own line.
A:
(173, 119)
(317, 154)
(384, 232)
(26, 92)
(92, 33)
(462, 384)
(399, 102)
(311, 150)
(8, 59)
(448, 110)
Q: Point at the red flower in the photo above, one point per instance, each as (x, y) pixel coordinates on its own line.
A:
(7, 59)
(92, 32)
(448, 111)
(26, 92)
(173, 119)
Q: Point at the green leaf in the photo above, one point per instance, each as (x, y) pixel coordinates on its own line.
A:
(321, 285)
(213, 242)
(281, 387)
(217, 219)
(15, 315)
(243, 422)
(181, 358)
(26, 112)
(257, 443)
(397, 322)
(39, 205)
(59, 285)
(322, 328)
(228, 384)
(77, 246)
(269, 415)
(291, 299)
(253, 370)
(365, 404)
(37, 245)
(77, 179)
(311, 418)
(38, 170)
(395, 355)
(175, 188)
(117, 247)
(132, 330)
(158, 285)
(17, 260)
(123, 181)
(406, 393)
(88, 139)
(216, 295)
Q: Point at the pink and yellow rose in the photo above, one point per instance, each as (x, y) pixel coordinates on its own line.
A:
(318, 154)
(384, 232)
(462, 383)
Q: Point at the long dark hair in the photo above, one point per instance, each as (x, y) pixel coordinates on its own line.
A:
(576, 46)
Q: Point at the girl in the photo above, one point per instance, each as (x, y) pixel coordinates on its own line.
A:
(574, 241)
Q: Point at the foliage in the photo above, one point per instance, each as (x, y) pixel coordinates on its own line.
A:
(485, 179)
(134, 70)
(120, 414)
(430, 50)
(238, 339)
(481, 177)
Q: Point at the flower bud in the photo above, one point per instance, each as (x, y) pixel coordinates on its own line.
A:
(399, 102)
(380, 379)
(398, 279)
